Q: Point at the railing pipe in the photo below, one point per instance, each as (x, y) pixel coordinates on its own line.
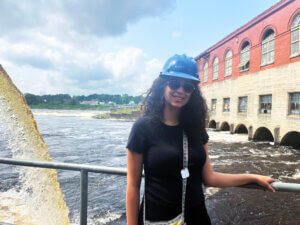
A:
(83, 196)
(278, 186)
(65, 166)
(286, 187)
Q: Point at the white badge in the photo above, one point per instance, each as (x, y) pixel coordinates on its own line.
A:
(185, 173)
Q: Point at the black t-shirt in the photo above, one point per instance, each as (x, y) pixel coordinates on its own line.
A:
(161, 146)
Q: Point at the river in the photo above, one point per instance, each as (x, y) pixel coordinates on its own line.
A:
(75, 137)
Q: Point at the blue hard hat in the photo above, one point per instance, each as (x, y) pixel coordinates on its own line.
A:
(181, 66)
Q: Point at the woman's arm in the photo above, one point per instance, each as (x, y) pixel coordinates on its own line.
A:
(134, 175)
(215, 179)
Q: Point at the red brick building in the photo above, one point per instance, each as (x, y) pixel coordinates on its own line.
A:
(261, 50)
(277, 19)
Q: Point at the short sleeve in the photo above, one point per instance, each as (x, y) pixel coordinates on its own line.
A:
(137, 139)
(205, 137)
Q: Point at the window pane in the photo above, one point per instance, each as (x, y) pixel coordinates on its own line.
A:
(213, 104)
(267, 47)
(295, 103)
(226, 106)
(271, 45)
(296, 21)
(293, 106)
(242, 104)
(295, 48)
(228, 54)
(247, 55)
(264, 47)
(271, 57)
(247, 65)
(295, 35)
(216, 61)
(263, 59)
(266, 104)
(215, 70)
(242, 57)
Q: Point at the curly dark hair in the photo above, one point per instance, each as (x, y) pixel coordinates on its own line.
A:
(192, 115)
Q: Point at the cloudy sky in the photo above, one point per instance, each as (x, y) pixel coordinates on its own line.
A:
(109, 46)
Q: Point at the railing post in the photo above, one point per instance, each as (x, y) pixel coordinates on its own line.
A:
(83, 196)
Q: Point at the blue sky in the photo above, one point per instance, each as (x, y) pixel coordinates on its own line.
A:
(109, 46)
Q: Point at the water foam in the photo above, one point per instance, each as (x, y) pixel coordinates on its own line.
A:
(210, 191)
(109, 217)
(13, 208)
(67, 113)
(39, 187)
(106, 219)
(224, 137)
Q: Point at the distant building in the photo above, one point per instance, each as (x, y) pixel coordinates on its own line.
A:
(94, 102)
(251, 78)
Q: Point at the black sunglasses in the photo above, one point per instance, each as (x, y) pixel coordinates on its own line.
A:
(188, 87)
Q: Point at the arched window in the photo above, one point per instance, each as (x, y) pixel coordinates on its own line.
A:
(215, 68)
(267, 47)
(228, 63)
(245, 56)
(205, 72)
(295, 36)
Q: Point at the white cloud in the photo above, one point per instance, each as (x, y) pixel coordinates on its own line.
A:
(57, 46)
(97, 17)
(132, 69)
(128, 70)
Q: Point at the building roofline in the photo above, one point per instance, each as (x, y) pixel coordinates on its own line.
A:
(279, 5)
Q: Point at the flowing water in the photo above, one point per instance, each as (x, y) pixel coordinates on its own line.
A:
(73, 136)
(37, 188)
(33, 196)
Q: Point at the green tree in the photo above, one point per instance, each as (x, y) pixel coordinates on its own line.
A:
(32, 99)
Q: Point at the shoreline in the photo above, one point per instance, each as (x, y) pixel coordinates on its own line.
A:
(133, 115)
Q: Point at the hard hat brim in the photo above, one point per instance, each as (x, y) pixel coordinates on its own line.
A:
(179, 75)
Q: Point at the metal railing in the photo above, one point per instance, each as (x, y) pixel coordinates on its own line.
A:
(84, 169)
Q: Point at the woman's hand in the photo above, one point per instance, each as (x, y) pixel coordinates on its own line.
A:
(264, 181)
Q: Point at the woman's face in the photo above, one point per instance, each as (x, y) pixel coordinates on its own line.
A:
(178, 92)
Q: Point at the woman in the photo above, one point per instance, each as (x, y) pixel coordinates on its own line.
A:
(174, 105)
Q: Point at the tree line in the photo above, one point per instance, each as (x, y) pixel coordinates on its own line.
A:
(74, 100)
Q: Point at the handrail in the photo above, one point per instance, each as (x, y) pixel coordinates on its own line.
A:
(65, 166)
(278, 186)
(84, 169)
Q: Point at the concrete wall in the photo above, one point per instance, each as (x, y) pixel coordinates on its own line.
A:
(278, 82)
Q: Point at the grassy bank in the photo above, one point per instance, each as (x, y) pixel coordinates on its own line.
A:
(124, 113)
